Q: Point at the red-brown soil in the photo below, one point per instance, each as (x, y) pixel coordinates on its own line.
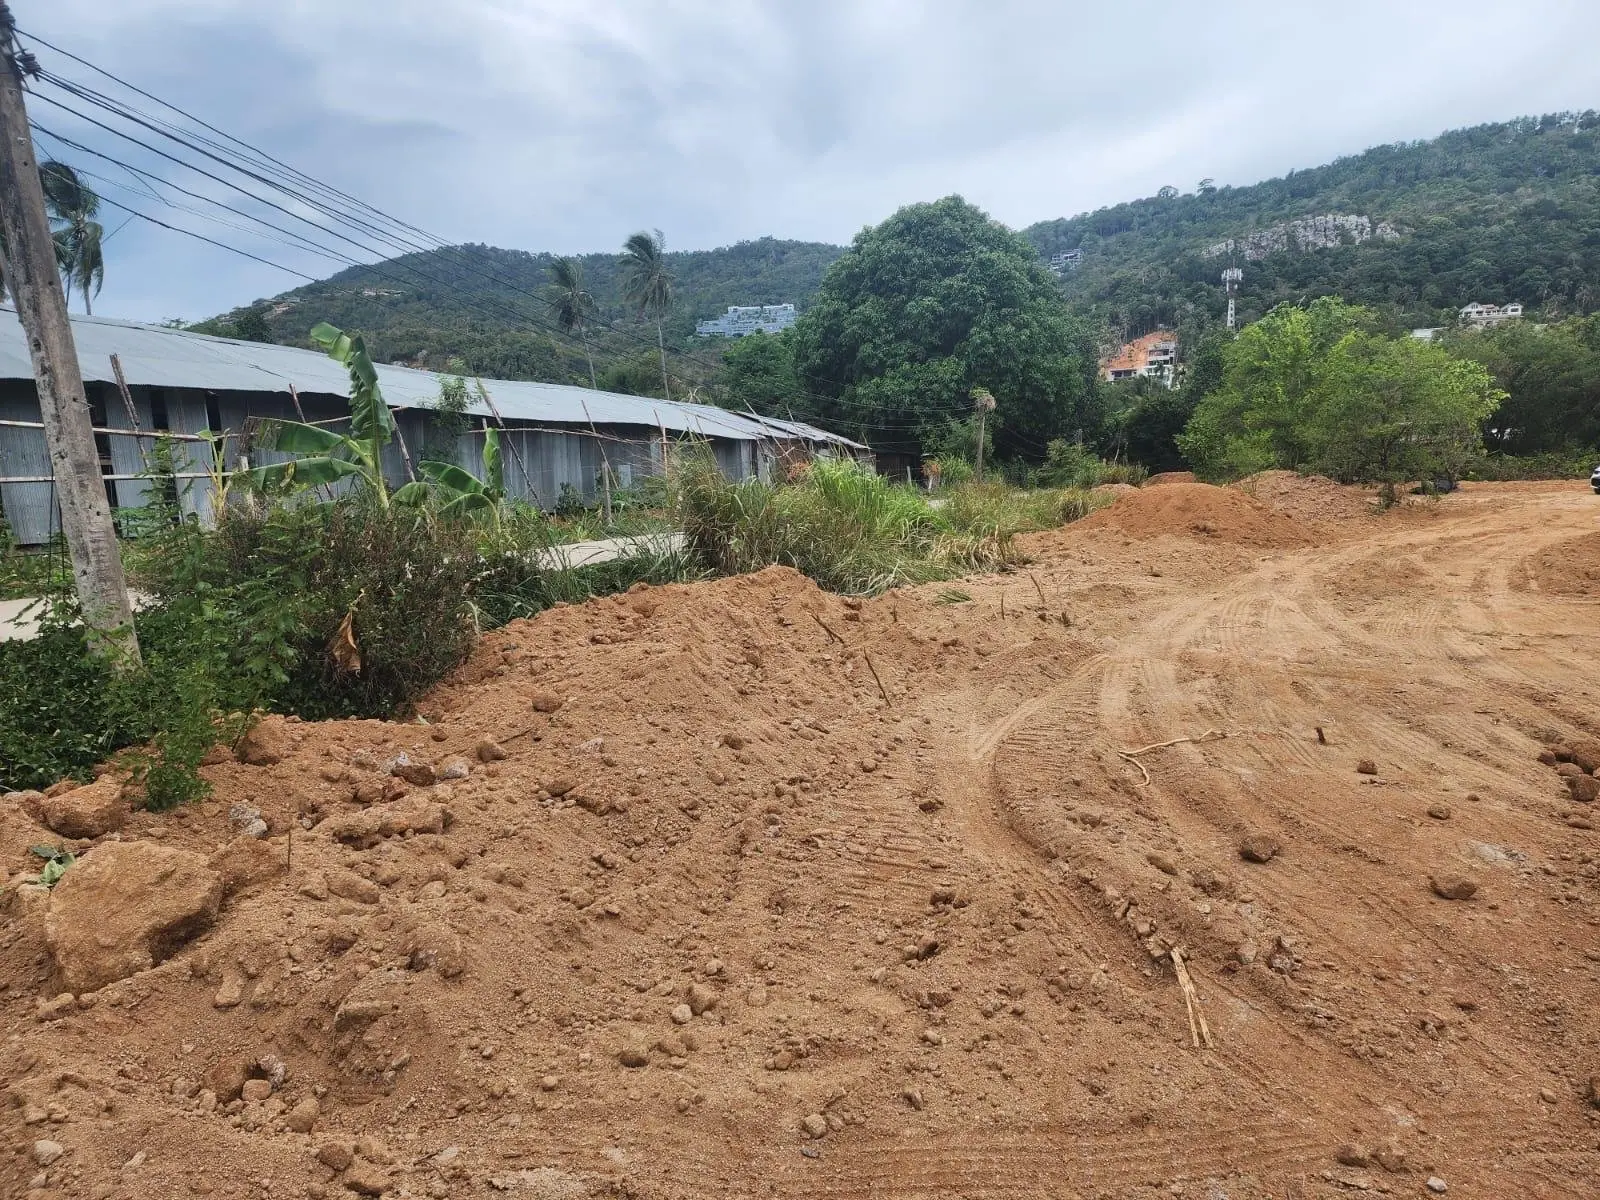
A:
(921, 943)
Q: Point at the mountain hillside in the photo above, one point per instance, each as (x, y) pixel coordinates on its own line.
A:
(485, 305)
(1496, 213)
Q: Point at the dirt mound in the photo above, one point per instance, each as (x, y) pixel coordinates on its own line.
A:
(1199, 510)
(1570, 568)
(743, 889)
(1312, 499)
(1166, 477)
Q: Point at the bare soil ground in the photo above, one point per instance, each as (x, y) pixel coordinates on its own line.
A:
(778, 895)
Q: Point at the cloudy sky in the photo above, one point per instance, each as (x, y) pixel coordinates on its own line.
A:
(565, 125)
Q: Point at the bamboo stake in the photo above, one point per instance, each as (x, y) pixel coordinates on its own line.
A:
(127, 400)
(605, 463)
(1199, 1032)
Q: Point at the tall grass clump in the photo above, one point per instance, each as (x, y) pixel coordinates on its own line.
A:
(1070, 465)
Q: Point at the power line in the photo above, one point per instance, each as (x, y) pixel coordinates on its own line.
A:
(406, 244)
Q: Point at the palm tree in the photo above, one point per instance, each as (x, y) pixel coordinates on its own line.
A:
(571, 304)
(72, 206)
(647, 285)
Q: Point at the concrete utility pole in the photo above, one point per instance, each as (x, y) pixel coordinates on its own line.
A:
(35, 284)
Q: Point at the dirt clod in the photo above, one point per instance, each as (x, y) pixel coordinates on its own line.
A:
(1259, 847)
(1452, 886)
(1366, 767)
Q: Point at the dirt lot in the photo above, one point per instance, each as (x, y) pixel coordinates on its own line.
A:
(773, 895)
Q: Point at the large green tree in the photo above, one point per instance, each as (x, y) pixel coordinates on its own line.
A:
(1319, 387)
(935, 301)
(758, 372)
(1551, 376)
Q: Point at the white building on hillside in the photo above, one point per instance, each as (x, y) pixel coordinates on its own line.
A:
(1482, 316)
(753, 318)
(1065, 261)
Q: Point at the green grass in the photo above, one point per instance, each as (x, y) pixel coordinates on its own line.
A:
(853, 531)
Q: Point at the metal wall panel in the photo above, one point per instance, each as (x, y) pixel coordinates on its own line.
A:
(29, 507)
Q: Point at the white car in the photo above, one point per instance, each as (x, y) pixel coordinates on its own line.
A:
(1594, 480)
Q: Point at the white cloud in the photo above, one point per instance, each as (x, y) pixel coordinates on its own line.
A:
(545, 124)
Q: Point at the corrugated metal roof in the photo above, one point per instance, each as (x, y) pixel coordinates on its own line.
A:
(154, 356)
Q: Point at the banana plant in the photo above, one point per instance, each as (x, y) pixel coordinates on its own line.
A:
(457, 491)
(325, 456)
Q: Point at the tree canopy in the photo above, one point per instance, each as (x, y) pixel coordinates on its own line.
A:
(1319, 387)
(933, 302)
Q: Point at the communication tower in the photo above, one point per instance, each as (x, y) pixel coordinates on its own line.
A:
(1231, 278)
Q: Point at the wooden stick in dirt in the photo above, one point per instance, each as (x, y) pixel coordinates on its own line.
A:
(1199, 1032)
(826, 630)
(1209, 735)
(1043, 603)
(882, 691)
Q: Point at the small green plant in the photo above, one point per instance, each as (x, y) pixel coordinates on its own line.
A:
(952, 596)
(56, 861)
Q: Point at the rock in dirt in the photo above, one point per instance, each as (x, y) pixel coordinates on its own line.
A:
(1594, 1090)
(245, 862)
(1351, 1155)
(264, 744)
(454, 768)
(1584, 788)
(46, 1152)
(371, 825)
(487, 751)
(419, 774)
(1451, 886)
(1437, 1186)
(1586, 754)
(1259, 848)
(815, 1125)
(634, 1055)
(1439, 812)
(700, 998)
(545, 702)
(1366, 767)
(86, 812)
(347, 885)
(125, 907)
(246, 821)
(302, 1118)
(255, 1090)
(336, 1156)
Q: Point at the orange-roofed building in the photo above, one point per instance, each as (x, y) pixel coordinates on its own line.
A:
(1154, 356)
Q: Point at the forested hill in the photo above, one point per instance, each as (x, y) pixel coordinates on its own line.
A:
(1496, 213)
(485, 305)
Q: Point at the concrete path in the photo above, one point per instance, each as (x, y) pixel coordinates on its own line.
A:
(19, 619)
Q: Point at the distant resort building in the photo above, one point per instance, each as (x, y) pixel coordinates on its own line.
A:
(1154, 356)
(1485, 316)
(752, 318)
(1066, 260)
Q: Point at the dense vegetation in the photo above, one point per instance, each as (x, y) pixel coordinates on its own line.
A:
(489, 310)
(1495, 213)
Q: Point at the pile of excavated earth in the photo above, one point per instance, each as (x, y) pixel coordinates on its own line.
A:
(1216, 852)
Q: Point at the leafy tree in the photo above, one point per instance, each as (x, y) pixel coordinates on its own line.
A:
(934, 301)
(758, 371)
(647, 286)
(573, 306)
(72, 207)
(1270, 372)
(324, 455)
(1551, 376)
(1388, 410)
(1144, 420)
(251, 325)
(1318, 387)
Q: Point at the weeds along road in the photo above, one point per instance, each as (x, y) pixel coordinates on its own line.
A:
(774, 893)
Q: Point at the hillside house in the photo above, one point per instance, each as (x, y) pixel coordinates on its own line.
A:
(1153, 356)
(741, 320)
(1486, 316)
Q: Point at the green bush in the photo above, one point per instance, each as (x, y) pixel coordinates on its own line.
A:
(1069, 465)
(1556, 464)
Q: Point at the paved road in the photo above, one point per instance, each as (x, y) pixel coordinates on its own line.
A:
(19, 619)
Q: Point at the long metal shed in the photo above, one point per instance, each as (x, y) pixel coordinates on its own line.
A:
(558, 438)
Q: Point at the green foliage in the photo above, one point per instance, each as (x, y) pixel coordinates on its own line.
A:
(324, 456)
(1144, 419)
(56, 861)
(957, 441)
(1069, 465)
(758, 373)
(1551, 377)
(72, 206)
(448, 417)
(456, 493)
(1495, 213)
(850, 529)
(251, 325)
(933, 302)
(1315, 387)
